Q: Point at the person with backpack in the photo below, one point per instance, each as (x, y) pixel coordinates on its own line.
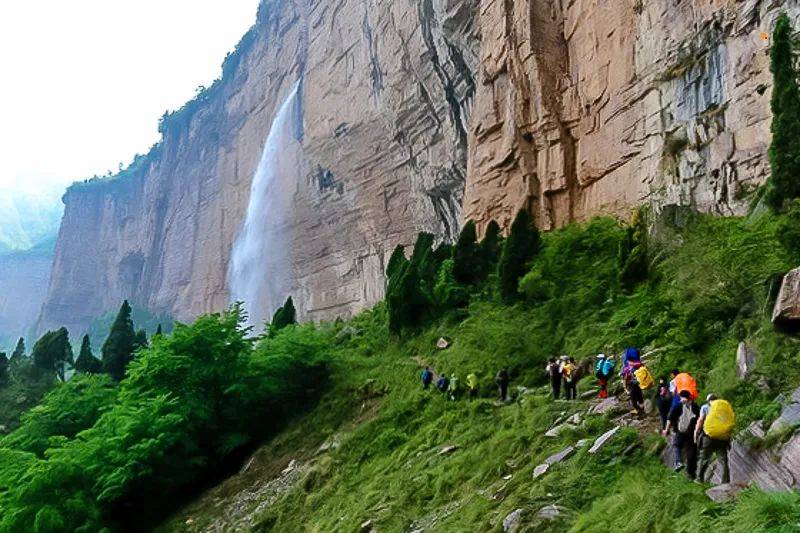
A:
(472, 385)
(635, 390)
(453, 389)
(427, 378)
(502, 380)
(713, 435)
(442, 384)
(599, 373)
(663, 400)
(683, 421)
(570, 373)
(554, 373)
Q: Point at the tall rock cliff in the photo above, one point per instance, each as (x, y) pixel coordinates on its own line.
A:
(417, 114)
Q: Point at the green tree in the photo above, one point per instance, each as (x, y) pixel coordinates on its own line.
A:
(633, 253)
(87, 363)
(491, 243)
(120, 345)
(19, 352)
(784, 151)
(159, 331)
(3, 368)
(396, 261)
(789, 231)
(522, 245)
(409, 294)
(141, 339)
(53, 352)
(447, 291)
(467, 260)
(284, 316)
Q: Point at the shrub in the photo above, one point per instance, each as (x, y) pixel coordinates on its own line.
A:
(520, 247)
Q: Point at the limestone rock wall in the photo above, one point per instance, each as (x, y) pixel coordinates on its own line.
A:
(418, 114)
(585, 106)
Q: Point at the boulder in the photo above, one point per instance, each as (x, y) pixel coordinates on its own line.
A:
(575, 419)
(610, 404)
(790, 415)
(556, 431)
(603, 439)
(745, 360)
(560, 456)
(511, 523)
(540, 470)
(589, 394)
(442, 343)
(549, 512)
(786, 313)
(724, 493)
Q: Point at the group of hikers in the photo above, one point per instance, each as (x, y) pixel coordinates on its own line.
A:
(699, 433)
(451, 387)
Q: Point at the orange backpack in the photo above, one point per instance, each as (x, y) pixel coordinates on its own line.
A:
(685, 381)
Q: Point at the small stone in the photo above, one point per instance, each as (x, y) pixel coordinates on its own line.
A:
(745, 360)
(442, 343)
(556, 431)
(549, 512)
(607, 405)
(512, 522)
(367, 527)
(509, 476)
(448, 449)
(558, 457)
(603, 439)
(291, 467)
(582, 443)
(723, 493)
(189, 521)
(575, 419)
(588, 394)
(540, 470)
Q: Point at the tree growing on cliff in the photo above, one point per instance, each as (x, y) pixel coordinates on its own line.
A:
(4, 364)
(784, 151)
(490, 247)
(53, 353)
(467, 264)
(409, 293)
(633, 253)
(120, 345)
(396, 261)
(521, 246)
(87, 363)
(19, 352)
(284, 316)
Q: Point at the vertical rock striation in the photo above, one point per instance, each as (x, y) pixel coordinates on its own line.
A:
(417, 114)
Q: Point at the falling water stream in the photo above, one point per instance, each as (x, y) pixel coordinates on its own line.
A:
(260, 270)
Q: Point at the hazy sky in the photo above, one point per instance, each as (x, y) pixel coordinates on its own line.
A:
(84, 82)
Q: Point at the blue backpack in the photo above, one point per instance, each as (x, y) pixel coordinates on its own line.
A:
(608, 367)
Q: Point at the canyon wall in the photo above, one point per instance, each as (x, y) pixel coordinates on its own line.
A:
(418, 114)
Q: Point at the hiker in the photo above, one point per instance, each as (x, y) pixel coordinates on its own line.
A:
(472, 385)
(453, 389)
(713, 435)
(570, 372)
(630, 357)
(663, 400)
(635, 390)
(427, 378)
(683, 421)
(502, 380)
(603, 368)
(442, 383)
(553, 371)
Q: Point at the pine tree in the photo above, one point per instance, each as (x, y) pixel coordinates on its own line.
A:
(159, 333)
(141, 340)
(633, 253)
(467, 264)
(784, 152)
(121, 343)
(409, 294)
(53, 352)
(284, 316)
(521, 246)
(19, 352)
(491, 244)
(86, 362)
(396, 260)
(4, 364)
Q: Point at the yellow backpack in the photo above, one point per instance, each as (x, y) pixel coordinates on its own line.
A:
(720, 420)
(644, 377)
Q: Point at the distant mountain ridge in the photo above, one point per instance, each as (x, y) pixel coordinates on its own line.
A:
(29, 220)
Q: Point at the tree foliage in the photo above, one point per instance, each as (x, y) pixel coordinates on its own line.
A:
(468, 264)
(87, 363)
(520, 247)
(284, 316)
(19, 351)
(784, 151)
(633, 252)
(121, 344)
(52, 353)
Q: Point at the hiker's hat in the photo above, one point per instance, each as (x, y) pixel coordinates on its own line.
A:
(601, 356)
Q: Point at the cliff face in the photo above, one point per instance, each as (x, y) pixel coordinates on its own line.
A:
(419, 114)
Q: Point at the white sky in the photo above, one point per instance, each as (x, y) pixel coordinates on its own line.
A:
(83, 82)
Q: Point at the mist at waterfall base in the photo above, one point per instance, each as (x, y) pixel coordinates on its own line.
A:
(260, 271)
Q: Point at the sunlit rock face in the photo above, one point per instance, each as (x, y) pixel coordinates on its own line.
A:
(415, 115)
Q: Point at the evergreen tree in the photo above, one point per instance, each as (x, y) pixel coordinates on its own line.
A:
(121, 343)
(86, 362)
(521, 246)
(53, 352)
(491, 243)
(19, 352)
(467, 264)
(4, 364)
(409, 294)
(158, 331)
(633, 253)
(784, 152)
(448, 292)
(396, 261)
(141, 339)
(284, 316)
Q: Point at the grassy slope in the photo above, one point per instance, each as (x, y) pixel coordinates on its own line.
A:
(709, 293)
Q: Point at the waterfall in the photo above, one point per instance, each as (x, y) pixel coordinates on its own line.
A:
(260, 270)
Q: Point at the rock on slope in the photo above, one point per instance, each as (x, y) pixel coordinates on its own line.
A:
(415, 115)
